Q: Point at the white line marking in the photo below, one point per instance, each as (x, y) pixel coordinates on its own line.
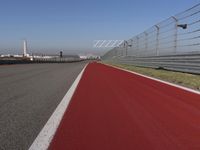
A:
(158, 80)
(45, 136)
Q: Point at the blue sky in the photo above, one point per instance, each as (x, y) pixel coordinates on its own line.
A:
(73, 25)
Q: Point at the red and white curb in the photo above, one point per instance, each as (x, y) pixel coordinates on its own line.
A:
(45, 136)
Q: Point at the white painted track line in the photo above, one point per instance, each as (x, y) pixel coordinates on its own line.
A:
(45, 136)
(158, 80)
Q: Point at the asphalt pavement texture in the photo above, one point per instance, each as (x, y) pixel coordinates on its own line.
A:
(29, 94)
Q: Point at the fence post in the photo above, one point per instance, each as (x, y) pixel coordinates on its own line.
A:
(126, 47)
(157, 39)
(175, 33)
(137, 45)
(131, 51)
(146, 41)
(121, 47)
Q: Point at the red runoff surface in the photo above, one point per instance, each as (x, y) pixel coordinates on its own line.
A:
(117, 110)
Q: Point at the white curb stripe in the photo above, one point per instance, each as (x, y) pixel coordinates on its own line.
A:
(165, 82)
(47, 133)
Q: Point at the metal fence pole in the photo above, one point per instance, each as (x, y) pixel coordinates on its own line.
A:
(146, 41)
(137, 45)
(121, 49)
(175, 33)
(131, 47)
(126, 47)
(157, 39)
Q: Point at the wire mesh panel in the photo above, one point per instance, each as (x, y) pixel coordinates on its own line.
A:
(179, 34)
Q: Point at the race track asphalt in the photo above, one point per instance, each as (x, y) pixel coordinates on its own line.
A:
(29, 94)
